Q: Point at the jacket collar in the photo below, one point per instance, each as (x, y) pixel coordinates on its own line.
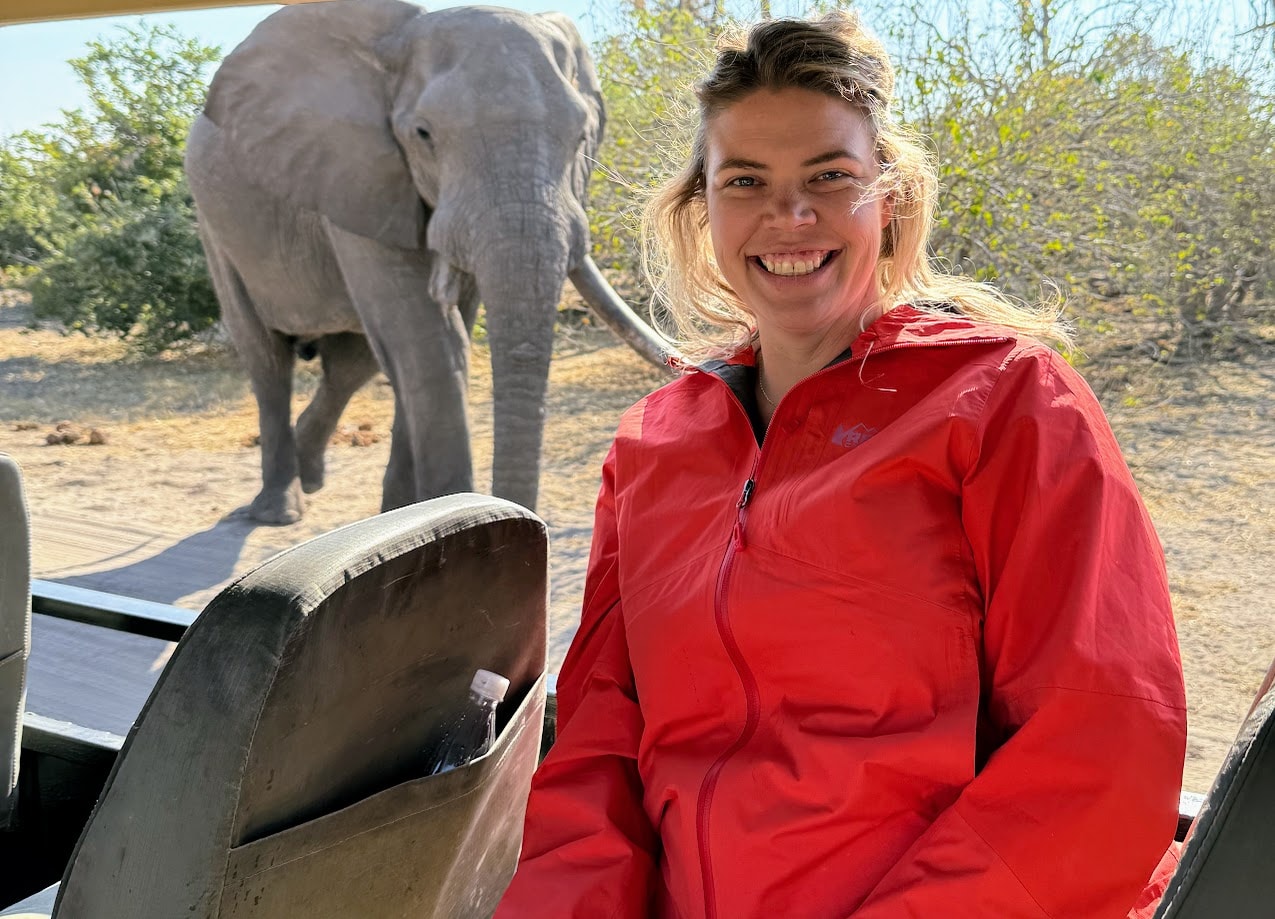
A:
(925, 323)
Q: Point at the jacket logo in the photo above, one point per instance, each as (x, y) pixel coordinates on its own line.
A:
(852, 437)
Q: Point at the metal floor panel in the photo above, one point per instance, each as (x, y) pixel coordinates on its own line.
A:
(87, 683)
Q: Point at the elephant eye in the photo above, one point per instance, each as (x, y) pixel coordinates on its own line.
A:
(423, 134)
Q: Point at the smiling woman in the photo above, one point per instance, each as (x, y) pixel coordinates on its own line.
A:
(876, 624)
(796, 222)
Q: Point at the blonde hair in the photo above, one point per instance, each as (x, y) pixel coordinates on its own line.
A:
(838, 56)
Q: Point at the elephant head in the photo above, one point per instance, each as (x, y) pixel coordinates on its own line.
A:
(468, 134)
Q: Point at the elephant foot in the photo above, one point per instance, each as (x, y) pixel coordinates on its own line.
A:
(311, 472)
(312, 441)
(274, 508)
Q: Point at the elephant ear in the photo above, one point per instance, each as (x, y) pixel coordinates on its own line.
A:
(585, 78)
(304, 104)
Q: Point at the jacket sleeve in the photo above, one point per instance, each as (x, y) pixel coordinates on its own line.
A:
(1083, 702)
(588, 847)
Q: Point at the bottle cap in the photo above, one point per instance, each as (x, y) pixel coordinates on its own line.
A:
(489, 685)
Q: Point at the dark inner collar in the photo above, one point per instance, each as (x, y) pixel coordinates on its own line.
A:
(742, 380)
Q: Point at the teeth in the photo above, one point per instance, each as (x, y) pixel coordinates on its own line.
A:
(787, 266)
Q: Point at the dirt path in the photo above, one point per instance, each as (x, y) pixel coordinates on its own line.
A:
(148, 506)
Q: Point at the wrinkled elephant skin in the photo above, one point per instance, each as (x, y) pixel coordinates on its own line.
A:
(365, 173)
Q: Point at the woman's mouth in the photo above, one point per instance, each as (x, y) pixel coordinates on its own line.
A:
(794, 264)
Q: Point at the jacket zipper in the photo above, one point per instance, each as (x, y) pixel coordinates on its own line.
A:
(751, 693)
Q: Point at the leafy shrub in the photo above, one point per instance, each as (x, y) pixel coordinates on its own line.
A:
(1092, 149)
(1117, 164)
(136, 271)
(99, 203)
(646, 67)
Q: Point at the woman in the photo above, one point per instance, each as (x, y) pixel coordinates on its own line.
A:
(875, 622)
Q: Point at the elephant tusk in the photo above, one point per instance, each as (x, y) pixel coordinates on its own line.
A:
(617, 314)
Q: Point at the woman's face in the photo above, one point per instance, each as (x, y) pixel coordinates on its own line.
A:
(793, 232)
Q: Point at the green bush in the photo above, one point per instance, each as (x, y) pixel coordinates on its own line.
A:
(98, 203)
(26, 203)
(646, 68)
(1092, 150)
(136, 271)
(1117, 163)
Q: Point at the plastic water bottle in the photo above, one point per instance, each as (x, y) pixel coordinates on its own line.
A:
(473, 731)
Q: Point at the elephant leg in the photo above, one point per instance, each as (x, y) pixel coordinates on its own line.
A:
(429, 448)
(279, 502)
(398, 488)
(424, 350)
(348, 363)
(268, 358)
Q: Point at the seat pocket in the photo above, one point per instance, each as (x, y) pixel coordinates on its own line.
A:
(441, 846)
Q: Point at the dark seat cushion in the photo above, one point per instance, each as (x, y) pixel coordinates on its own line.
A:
(283, 747)
(1226, 869)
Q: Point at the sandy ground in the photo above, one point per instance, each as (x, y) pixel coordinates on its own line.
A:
(1201, 443)
(148, 506)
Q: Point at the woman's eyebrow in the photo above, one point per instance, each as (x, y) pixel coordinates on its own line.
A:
(736, 162)
(832, 155)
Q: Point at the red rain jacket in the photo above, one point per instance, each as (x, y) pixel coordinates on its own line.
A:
(914, 657)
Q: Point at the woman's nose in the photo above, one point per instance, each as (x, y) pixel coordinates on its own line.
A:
(791, 208)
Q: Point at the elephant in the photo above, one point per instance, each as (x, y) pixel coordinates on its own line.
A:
(365, 173)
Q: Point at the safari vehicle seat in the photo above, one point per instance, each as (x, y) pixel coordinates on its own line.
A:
(277, 768)
(15, 629)
(1226, 864)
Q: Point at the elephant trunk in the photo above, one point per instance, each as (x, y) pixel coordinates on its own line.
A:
(552, 217)
(519, 277)
(520, 285)
(617, 314)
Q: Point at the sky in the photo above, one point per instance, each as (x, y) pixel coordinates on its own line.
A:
(36, 83)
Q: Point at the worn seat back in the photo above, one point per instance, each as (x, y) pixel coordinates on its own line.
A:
(277, 769)
(1225, 869)
(15, 629)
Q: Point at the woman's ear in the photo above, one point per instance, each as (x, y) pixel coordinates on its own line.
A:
(304, 106)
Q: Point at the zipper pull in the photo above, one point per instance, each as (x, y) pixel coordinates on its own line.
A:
(748, 493)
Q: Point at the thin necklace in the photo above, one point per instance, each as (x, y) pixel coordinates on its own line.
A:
(760, 385)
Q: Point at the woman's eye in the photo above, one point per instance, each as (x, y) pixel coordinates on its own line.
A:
(833, 174)
(742, 182)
